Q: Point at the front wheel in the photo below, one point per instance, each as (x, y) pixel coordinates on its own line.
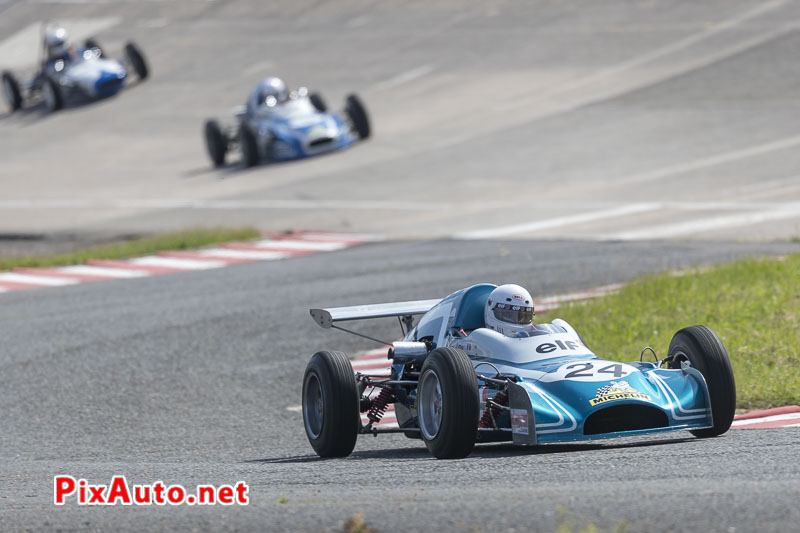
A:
(448, 404)
(136, 59)
(318, 102)
(701, 347)
(247, 140)
(53, 99)
(357, 114)
(330, 404)
(11, 91)
(216, 143)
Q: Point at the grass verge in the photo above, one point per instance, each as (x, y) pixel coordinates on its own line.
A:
(181, 240)
(752, 304)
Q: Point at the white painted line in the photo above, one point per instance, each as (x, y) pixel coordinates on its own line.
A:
(295, 408)
(792, 426)
(288, 244)
(773, 418)
(179, 263)
(363, 237)
(104, 271)
(233, 253)
(31, 279)
(705, 224)
(558, 222)
(3, 289)
(404, 77)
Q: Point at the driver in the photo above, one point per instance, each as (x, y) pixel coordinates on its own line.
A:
(509, 310)
(56, 42)
(268, 93)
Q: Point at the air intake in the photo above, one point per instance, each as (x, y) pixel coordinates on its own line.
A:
(625, 418)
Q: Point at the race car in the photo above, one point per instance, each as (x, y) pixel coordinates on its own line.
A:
(69, 74)
(454, 382)
(278, 125)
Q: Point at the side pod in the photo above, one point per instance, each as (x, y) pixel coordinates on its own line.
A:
(523, 426)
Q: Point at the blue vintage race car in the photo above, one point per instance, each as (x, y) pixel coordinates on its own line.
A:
(292, 127)
(80, 75)
(454, 383)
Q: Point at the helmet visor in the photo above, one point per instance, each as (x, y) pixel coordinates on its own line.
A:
(513, 314)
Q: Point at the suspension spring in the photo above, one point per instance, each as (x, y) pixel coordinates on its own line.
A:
(491, 412)
(379, 405)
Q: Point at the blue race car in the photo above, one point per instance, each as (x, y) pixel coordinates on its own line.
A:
(279, 125)
(455, 382)
(72, 74)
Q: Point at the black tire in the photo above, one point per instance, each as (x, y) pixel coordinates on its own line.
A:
(137, 61)
(451, 434)
(318, 102)
(703, 349)
(11, 91)
(53, 98)
(216, 143)
(358, 116)
(330, 404)
(92, 43)
(247, 140)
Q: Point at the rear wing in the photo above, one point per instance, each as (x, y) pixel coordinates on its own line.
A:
(327, 317)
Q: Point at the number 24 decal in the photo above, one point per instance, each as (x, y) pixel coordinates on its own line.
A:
(586, 370)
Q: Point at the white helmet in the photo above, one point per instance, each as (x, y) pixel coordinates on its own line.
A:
(56, 41)
(271, 91)
(509, 310)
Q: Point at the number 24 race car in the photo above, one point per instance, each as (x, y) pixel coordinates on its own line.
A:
(455, 382)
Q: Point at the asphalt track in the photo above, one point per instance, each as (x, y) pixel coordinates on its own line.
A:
(187, 378)
(612, 120)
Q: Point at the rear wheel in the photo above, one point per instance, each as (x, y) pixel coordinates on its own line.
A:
(93, 44)
(358, 116)
(216, 143)
(701, 347)
(448, 404)
(318, 102)
(53, 99)
(330, 404)
(137, 61)
(11, 91)
(247, 140)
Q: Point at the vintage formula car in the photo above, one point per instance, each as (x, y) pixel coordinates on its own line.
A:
(454, 383)
(77, 75)
(270, 128)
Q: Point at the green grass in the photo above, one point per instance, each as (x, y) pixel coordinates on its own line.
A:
(182, 240)
(752, 304)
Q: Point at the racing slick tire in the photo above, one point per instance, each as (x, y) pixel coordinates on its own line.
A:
(448, 404)
(53, 98)
(216, 143)
(706, 353)
(358, 116)
(330, 404)
(136, 59)
(93, 44)
(318, 102)
(249, 146)
(11, 91)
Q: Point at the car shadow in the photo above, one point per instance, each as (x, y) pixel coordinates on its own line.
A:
(482, 451)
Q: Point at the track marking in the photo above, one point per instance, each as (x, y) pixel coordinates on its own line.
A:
(31, 279)
(558, 222)
(704, 224)
(174, 262)
(404, 77)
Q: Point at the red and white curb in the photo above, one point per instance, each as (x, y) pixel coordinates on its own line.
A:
(779, 417)
(276, 247)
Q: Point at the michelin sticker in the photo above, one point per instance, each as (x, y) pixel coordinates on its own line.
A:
(617, 390)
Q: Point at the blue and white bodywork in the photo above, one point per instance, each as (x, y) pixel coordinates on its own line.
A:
(298, 127)
(544, 388)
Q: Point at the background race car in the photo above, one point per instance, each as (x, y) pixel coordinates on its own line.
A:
(68, 74)
(455, 382)
(278, 125)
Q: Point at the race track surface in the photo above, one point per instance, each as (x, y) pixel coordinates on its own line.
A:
(582, 119)
(187, 379)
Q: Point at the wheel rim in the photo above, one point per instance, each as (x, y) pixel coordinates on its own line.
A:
(430, 405)
(313, 406)
(49, 97)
